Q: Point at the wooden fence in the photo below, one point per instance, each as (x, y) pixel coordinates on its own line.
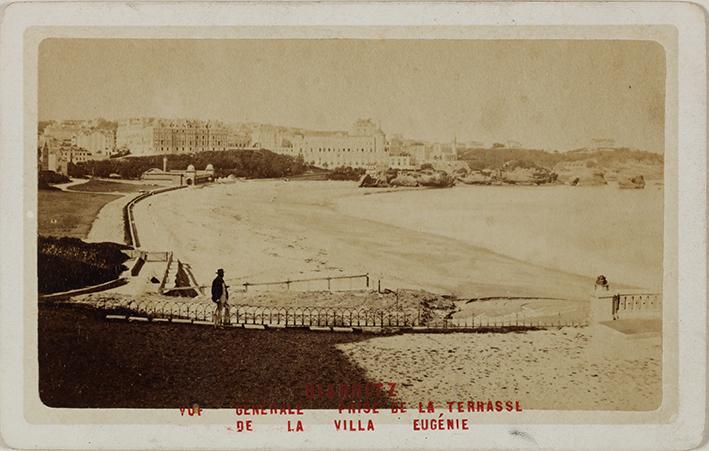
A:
(333, 283)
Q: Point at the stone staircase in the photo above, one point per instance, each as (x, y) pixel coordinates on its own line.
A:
(171, 276)
(179, 280)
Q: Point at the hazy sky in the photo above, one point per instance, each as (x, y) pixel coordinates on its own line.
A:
(548, 94)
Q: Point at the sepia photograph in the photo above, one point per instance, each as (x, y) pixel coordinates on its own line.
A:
(473, 225)
(353, 225)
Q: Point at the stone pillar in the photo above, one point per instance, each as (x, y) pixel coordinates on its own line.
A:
(601, 309)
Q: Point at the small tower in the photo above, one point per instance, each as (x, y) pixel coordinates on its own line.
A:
(190, 175)
(210, 171)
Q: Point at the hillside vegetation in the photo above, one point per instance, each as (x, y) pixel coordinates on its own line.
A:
(479, 159)
(610, 159)
(240, 163)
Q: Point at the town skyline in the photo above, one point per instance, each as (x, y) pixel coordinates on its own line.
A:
(593, 142)
(556, 95)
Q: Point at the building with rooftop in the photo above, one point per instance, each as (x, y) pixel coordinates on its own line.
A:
(363, 146)
(161, 136)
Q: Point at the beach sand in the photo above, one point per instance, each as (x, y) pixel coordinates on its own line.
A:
(568, 368)
(274, 230)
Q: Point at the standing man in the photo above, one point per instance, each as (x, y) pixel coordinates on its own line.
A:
(220, 295)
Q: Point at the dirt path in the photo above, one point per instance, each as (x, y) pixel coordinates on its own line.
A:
(66, 186)
(108, 225)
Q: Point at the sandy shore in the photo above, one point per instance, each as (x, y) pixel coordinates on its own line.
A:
(551, 369)
(275, 230)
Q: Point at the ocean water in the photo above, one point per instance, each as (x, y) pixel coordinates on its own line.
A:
(581, 230)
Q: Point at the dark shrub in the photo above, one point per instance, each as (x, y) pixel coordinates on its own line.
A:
(76, 170)
(47, 178)
(68, 263)
(346, 173)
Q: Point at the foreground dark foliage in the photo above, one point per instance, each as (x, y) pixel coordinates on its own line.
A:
(47, 178)
(68, 263)
(87, 361)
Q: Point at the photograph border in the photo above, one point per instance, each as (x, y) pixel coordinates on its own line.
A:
(678, 27)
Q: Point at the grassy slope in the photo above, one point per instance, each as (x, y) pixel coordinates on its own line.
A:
(86, 361)
(68, 214)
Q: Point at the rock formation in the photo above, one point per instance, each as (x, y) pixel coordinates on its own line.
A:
(476, 178)
(637, 182)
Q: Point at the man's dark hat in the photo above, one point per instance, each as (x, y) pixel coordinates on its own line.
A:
(219, 270)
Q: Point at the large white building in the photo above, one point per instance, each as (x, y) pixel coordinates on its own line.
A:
(364, 146)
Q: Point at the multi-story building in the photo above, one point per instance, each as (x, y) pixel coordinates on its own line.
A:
(236, 140)
(420, 152)
(61, 132)
(151, 137)
(364, 146)
(444, 152)
(100, 143)
(56, 155)
(401, 161)
(266, 137)
(395, 144)
(136, 137)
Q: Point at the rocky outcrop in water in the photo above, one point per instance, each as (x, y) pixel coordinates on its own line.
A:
(592, 178)
(404, 180)
(476, 178)
(428, 178)
(637, 182)
(435, 179)
(580, 173)
(517, 172)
